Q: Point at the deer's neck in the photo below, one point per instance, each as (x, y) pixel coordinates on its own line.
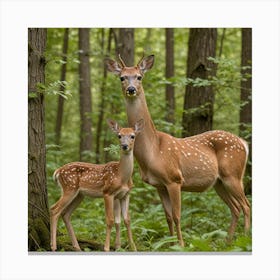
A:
(146, 142)
(126, 166)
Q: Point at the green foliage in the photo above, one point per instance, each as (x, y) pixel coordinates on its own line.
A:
(56, 87)
(113, 149)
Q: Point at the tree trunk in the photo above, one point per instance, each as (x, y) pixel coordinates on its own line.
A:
(60, 105)
(85, 95)
(102, 96)
(198, 102)
(126, 45)
(222, 42)
(169, 72)
(38, 213)
(245, 98)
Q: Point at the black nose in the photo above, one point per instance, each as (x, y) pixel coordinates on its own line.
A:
(124, 147)
(131, 90)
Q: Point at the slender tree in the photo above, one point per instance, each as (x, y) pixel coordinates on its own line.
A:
(102, 94)
(169, 72)
(126, 45)
(60, 105)
(85, 94)
(123, 39)
(38, 213)
(222, 42)
(198, 102)
(246, 94)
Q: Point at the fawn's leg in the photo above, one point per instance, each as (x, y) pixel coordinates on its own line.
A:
(117, 212)
(126, 217)
(56, 211)
(66, 215)
(109, 211)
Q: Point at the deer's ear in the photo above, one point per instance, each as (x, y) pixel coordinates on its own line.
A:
(139, 126)
(146, 63)
(113, 66)
(114, 126)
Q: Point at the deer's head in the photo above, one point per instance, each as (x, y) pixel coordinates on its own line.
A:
(126, 135)
(131, 77)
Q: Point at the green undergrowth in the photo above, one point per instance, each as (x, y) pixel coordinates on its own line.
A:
(204, 220)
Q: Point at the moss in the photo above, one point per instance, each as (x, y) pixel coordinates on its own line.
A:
(38, 235)
(64, 244)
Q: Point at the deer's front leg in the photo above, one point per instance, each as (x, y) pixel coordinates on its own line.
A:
(164, 196)
(126, 217)
(174, 191)
(117, 212)
(109, 212)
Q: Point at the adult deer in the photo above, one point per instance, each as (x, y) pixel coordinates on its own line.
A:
(214, 158)
(112, 181)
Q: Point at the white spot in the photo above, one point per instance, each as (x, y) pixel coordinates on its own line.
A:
(189, 154)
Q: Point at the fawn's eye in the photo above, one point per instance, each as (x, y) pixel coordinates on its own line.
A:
(122, 79)
(119, 136)
(132, 136)
(139, 78)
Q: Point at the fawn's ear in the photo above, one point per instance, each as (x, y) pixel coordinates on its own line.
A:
(114, 126)
(113, 66)
(146, 63)
(139, 126)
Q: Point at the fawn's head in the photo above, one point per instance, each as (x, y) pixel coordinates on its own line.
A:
(131, 77)
(126, 135)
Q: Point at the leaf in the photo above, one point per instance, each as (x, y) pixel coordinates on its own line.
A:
(202, 245)
(32, 95)
(163, 241)
(215, 234)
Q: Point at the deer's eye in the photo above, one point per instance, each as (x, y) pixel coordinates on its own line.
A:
(139, 78)
(119, 136)
(132, 136)
(122, 78)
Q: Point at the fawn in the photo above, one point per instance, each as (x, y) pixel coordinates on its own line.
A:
(112, 181)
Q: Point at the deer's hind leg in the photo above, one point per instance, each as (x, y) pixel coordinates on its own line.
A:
(66, 215)
(231, 191)
(55, 212)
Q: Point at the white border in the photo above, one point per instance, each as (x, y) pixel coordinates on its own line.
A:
(17, 16)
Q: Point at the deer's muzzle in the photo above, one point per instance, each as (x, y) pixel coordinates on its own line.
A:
(131, 91)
